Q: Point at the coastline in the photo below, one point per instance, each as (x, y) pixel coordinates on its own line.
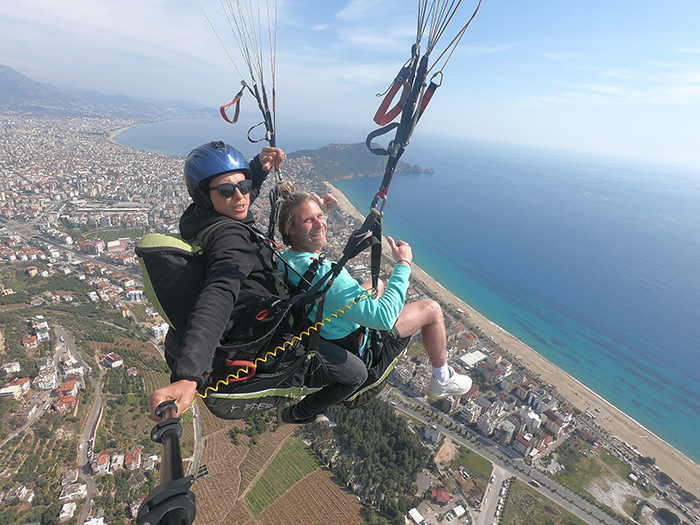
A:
(112, 134)
(682, 469)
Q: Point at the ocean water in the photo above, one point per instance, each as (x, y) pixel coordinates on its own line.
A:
(179, 137)
(594, 264)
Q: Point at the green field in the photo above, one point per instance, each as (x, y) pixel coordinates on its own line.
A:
(477, 466)
(525, 506)
(114, 235)
(581, 470)
(292, 463)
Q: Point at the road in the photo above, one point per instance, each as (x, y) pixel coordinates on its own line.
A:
(197, 440)
(86, 438)
(40, 412)
(66, 345)
(86, 443)
(504, 465)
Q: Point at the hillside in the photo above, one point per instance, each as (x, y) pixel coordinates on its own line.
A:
(20, 93)
(344, 161)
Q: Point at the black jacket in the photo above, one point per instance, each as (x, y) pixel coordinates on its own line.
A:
(234, 255)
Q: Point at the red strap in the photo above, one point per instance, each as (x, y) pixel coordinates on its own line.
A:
(237, 101)
(382, 116)
(262, 315)
(427, 96)
(242, 364)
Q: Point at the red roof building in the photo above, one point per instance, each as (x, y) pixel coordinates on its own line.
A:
(30, 341)
(133, 460)
(440, 495)
(64, 403)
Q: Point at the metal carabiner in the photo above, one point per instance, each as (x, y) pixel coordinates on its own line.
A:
(376, 198)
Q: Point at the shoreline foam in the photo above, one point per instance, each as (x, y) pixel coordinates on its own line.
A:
(682, 469)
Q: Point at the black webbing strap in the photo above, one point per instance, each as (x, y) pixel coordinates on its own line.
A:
(304, 285)
(310, 273)
(376, 263)
(261, 97)
(365, 236)
(275, 196)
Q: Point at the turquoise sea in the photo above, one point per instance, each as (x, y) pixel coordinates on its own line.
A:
(593, 263)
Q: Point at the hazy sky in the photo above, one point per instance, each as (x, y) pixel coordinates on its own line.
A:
(618, 78)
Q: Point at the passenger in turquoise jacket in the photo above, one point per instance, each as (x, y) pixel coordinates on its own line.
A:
(380, 314)
(302, 225)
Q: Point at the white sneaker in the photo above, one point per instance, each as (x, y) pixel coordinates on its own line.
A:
(457, 385)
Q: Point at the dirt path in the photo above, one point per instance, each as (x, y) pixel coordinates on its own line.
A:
(447, 452)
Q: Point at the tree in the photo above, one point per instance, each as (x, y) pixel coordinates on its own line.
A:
(669, 517)
(665, 478)
(50, 515)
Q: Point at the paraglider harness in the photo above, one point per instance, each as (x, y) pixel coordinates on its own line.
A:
(260, 359)
(238, 389)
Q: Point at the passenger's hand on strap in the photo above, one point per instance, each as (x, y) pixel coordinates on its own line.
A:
(270, 157)
(403, 254)
(182, 392)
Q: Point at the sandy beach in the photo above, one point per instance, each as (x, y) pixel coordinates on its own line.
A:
(112, 134)
(683, 470)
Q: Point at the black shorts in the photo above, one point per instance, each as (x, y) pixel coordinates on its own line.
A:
(393, 348)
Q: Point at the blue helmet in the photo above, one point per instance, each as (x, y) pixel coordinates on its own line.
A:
(206, 162)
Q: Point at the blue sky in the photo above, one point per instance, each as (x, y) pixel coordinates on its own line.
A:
(611, 78)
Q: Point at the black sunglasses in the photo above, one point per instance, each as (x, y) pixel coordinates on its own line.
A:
(228, 190)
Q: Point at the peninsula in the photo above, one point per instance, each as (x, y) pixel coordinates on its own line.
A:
(345, 161)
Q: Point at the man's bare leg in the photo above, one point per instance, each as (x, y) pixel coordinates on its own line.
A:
(426, 315)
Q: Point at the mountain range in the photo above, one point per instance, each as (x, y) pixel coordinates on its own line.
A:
(20, 93)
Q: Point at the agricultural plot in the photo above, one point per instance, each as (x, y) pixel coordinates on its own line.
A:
(238, 515)
(315, 500)
(292, 463)
(218, 493)
(276, 481)
(260, 455)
